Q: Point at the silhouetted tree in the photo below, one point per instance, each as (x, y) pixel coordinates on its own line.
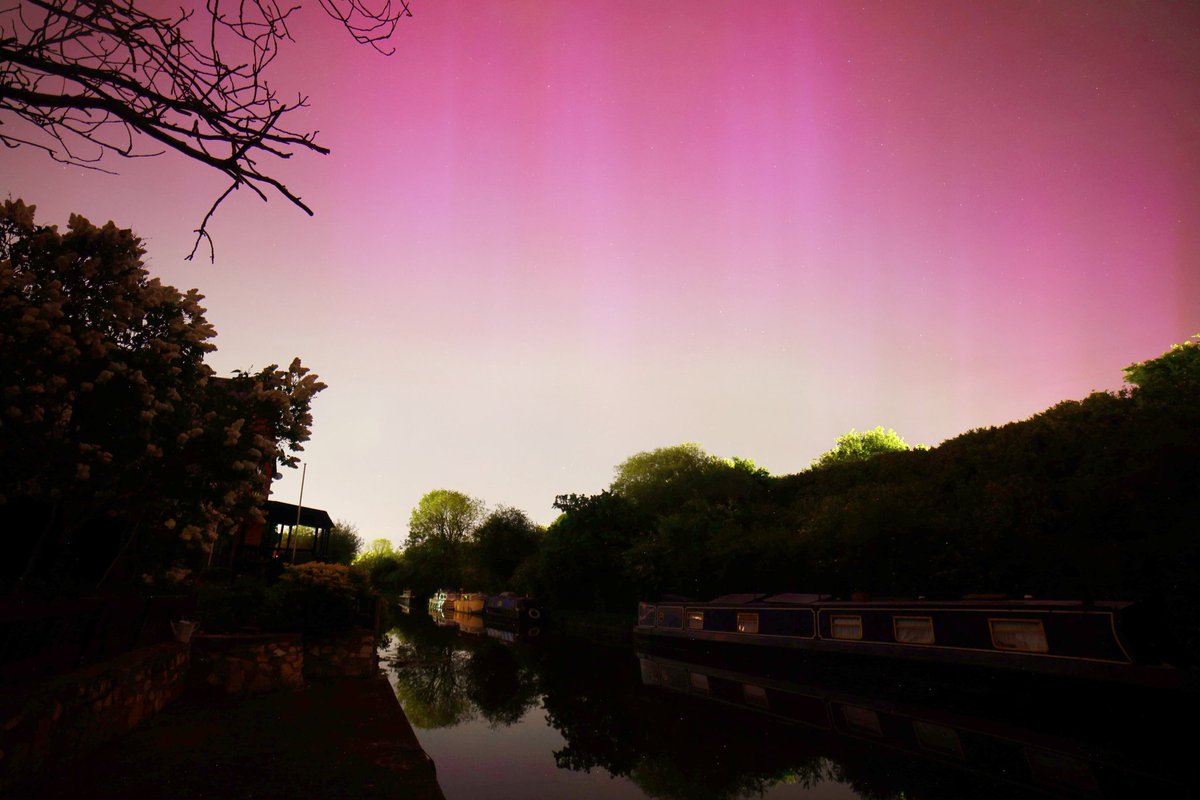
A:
(502, 541)
(91, 78)
(344, 542)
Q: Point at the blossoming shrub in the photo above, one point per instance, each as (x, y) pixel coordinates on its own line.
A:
(110, 419)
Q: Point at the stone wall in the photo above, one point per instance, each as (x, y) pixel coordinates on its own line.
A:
(59, 718)
(250, 663)
(344, 655)
(241, 663)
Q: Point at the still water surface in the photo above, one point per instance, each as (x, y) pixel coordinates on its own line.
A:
(550, 718)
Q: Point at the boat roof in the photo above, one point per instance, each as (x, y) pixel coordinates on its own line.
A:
(825, 600)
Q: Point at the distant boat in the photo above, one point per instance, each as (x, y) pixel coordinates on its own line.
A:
(1064, 637)
(443, 600)
(469, 603)
(512, 607)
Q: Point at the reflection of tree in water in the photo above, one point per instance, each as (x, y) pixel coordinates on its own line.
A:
(443, 679)
(429, 683)
(499, 686)
(673, 746)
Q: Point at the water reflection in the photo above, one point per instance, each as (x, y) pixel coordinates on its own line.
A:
(668, 726)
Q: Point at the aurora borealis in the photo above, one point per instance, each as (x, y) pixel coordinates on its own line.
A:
(551, 235)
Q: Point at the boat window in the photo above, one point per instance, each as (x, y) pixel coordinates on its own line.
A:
(695, 620)
(670, 617)
(747, 622)
(863, 720)
(938, 738)
(1025, 635)
(645, 615)
(913, 630)
(846, 627)
(755, 695)
(699, 682)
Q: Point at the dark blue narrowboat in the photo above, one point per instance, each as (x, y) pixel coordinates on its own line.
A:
(1100, 640)
(510, 607)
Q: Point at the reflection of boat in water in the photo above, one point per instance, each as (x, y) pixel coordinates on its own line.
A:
(511, 632)
(469, 603)
(467, 623)
(1101, 640)
(1016, 751)
(443, 599)
(443, 619)
(511, 607)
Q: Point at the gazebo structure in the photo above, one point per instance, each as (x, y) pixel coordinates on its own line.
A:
(286, 537)
(289, 544)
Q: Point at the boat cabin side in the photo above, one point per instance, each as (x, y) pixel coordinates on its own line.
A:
(1052, 629)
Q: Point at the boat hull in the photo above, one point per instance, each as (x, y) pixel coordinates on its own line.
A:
(1064, 638)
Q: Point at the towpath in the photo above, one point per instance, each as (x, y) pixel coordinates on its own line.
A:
(331, 739)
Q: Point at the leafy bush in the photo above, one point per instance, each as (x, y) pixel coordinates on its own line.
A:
(319, 597)
(231, 608)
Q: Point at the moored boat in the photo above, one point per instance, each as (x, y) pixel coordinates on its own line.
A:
(443, 600)
(469, 603)
(1066, 637)
(512, 607)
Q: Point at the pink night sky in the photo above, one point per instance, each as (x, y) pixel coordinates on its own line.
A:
(552, 235)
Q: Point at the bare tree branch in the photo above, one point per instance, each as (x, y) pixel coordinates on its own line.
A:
(84, 79)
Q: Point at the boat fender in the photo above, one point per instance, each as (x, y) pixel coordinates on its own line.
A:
(535, 614)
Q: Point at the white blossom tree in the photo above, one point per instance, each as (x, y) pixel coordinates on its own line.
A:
(108, 410)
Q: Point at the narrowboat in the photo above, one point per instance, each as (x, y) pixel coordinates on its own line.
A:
(512, 607)
(443, 600)
(1096, 640)
(469, 603)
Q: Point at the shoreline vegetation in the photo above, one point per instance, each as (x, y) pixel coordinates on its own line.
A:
(1090, 499)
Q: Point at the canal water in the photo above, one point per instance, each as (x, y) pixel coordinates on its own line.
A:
(506, 715)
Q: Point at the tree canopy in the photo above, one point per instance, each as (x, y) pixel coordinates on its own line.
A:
(84, 79)
(345, 543)
(108, 407)
(859, 446)
(1173, 376)
(445, 517)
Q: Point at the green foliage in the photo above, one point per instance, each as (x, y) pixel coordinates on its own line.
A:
(503, 541)
(111, 417)
(344, 543)
(1172, 377)
(320, 597)
(388, 572)
(222, 608)
(444, 516)
(582, 563)
(854, 446)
